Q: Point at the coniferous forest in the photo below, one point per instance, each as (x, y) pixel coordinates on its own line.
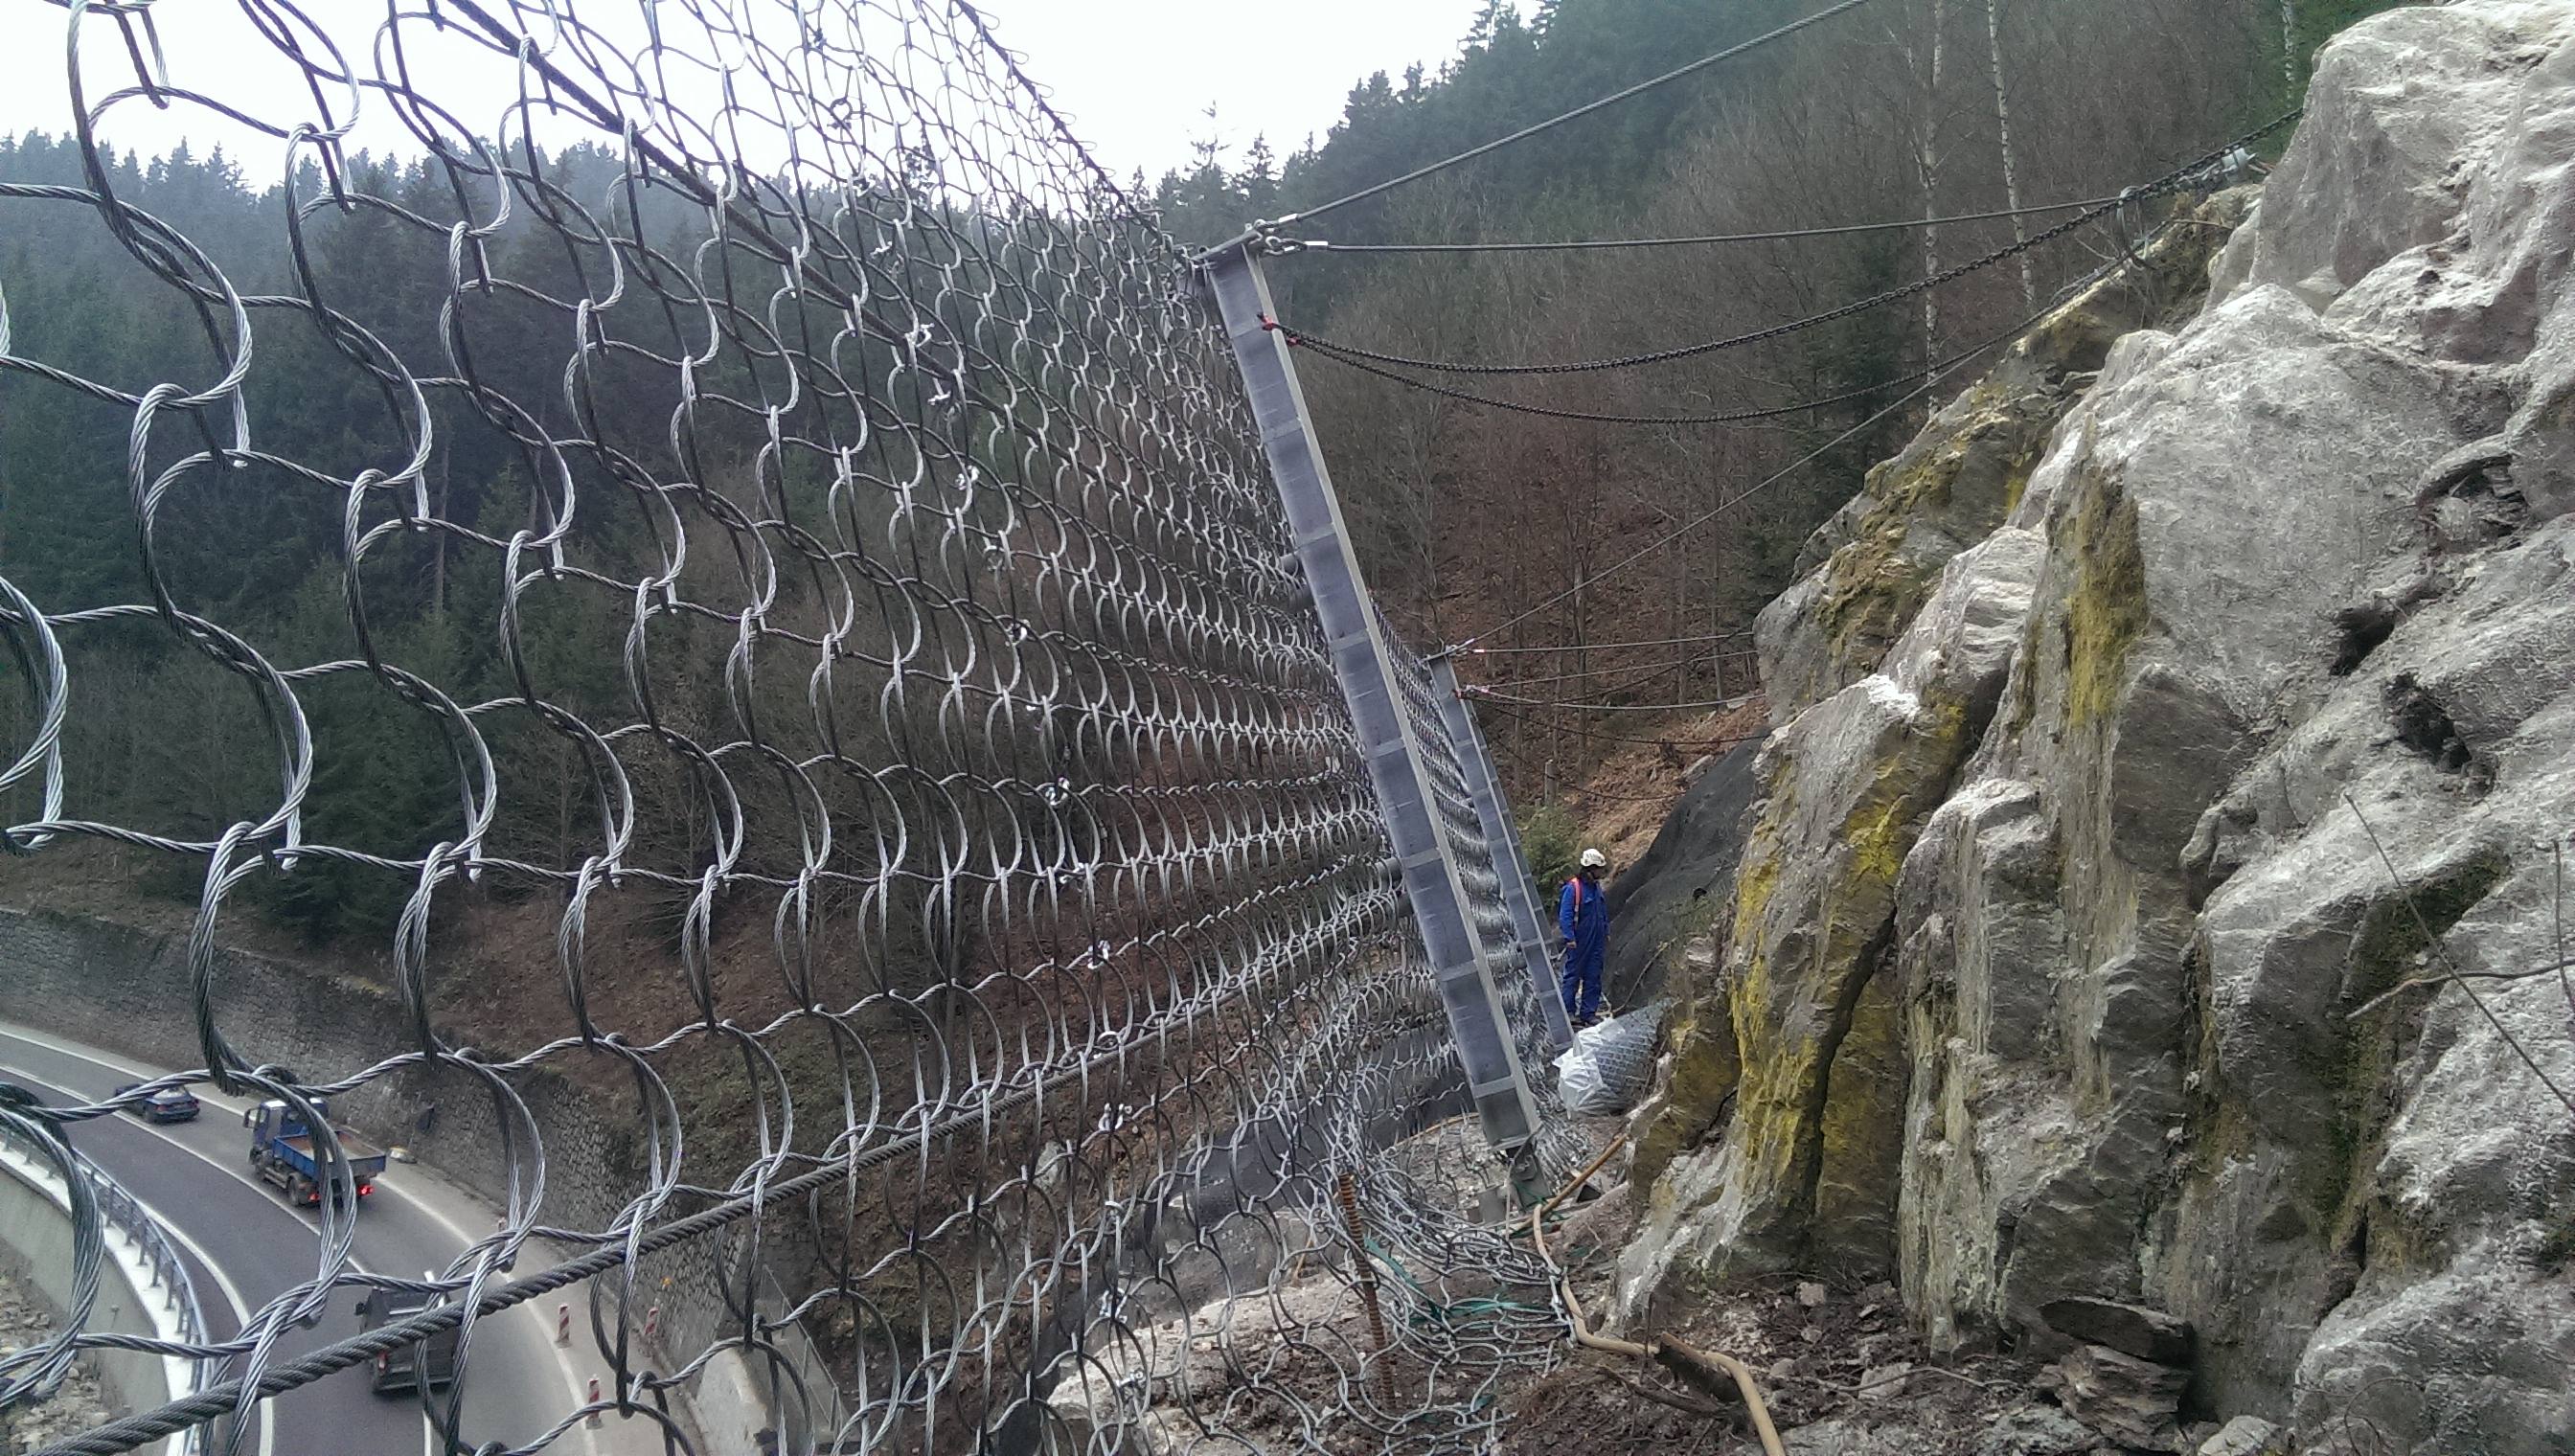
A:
(1928, 108)
(1905, 110)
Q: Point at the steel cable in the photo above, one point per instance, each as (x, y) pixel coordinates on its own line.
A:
(1784, 473)
(1525, 133)
(1930, 374)
(2179, 179)
(741, 591)
(1326, 247)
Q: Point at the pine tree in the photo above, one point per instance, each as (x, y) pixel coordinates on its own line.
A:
(1259, 183)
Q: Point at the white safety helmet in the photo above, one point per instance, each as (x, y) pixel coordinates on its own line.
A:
(1594, 860)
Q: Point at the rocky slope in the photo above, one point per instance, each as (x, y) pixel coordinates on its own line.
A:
(73, 1408)
(2194, 688)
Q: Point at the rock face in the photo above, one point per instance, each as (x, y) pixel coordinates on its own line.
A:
(2244, 1436)
(2148, 1334)
(1677, 888)
(1876, 561)
(2123, 781)
(2132, 1401)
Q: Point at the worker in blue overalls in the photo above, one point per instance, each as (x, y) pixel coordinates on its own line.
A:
(1582, 915)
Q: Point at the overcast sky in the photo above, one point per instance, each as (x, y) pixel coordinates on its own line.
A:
(1134, 76)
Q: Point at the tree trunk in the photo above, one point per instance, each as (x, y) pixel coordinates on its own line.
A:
(1581, 653)
(438, 569)
(1926, 162)
(2011, 173)
(562, 804)
(2289, 45)
(1521, 748)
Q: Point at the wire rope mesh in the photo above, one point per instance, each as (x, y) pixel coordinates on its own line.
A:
(97, 1210)
(740, 572)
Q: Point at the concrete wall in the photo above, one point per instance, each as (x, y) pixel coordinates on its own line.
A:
(127, 991)
(36, 1240)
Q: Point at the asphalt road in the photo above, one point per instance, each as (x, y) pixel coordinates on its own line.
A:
(245, 1244)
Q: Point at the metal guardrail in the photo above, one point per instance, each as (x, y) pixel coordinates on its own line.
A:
(118, 1210)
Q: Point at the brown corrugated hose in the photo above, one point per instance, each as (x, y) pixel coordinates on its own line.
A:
(1704, 1368)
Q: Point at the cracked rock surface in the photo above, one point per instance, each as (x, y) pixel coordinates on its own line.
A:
(2156, 893)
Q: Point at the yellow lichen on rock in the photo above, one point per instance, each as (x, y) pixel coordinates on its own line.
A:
(1861, 1144)
(1704, 1073)
(1953, 486)
(1814, 905)
(2105, 613)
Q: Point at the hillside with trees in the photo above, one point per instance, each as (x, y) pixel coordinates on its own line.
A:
(1466, 512)
(1925, 108)
(170, 745)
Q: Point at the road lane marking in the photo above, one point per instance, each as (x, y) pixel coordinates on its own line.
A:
(393, 1186)
(266, 1191)
(241, 1308)
(419, 1378)
(123, 1069)
(267, 1425)
(232, 1296)
(267, 1195)
(574, 1382)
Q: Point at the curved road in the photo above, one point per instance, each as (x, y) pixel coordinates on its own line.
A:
(245, 1244)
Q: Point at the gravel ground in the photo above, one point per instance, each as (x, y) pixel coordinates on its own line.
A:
(76, 1406)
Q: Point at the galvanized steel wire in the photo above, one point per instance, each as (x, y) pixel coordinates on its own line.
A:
(1766, 38)
(892, 462)
(1323, 247)
(2202, 171)
(95, 1206)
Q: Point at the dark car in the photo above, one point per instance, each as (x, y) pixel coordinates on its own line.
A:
(407, 1367)
(170, 1104)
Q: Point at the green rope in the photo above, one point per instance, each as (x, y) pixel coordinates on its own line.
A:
(1435, 1313)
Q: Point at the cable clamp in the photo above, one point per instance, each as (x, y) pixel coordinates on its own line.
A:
(1264, 237)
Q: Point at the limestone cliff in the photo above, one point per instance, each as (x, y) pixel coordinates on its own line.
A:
(2192, 685)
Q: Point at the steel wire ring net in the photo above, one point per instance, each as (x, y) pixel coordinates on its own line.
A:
(892, 893)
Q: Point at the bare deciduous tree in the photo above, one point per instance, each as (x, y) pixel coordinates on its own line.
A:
(1485, 512)
(2002, 131)
(1926, 160)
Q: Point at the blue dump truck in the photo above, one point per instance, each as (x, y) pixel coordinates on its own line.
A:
(281, 1151)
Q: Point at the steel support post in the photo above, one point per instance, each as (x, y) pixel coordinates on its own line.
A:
(1484, 787)
(1362, 663)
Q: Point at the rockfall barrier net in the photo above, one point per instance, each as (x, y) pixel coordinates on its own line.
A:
(713, 560)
